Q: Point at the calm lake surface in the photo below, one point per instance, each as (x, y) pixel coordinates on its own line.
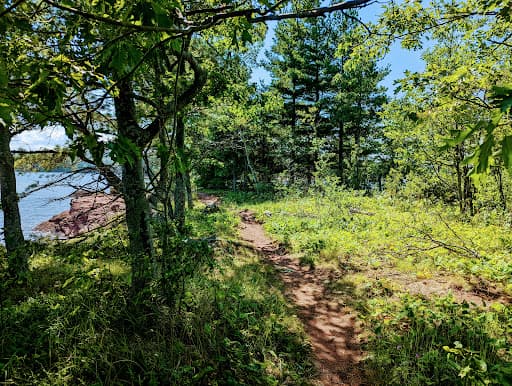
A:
(43, 204)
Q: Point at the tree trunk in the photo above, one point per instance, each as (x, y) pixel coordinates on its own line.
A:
(341, 159)
(14, 241)
(188, 183)
(138, 223)
(180, 189)
(499, 180)
(134, 191)
(468, 191)
(164, 181)
(357, 135)
(181, 165)
(233, 182)
(458, 159)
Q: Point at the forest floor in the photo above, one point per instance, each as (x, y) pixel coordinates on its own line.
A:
(332, 327)
(325, 289)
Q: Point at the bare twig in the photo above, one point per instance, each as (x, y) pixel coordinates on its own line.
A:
(457, 249)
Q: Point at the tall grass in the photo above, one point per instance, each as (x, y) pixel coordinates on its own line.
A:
(74, 322)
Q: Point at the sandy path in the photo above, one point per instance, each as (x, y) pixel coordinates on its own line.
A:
(332, 328)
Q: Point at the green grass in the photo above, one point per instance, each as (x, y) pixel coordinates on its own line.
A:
(74, 322)
(412, 237)
(378, 244)
(417, 341)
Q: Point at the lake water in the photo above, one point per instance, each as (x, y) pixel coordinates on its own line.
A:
(43, 204)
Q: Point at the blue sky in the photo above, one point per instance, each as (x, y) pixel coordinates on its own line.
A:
(398, 59)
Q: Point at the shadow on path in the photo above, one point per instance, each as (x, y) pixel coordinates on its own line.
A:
(331, 326)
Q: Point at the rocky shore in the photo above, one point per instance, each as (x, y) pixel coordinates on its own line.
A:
(88, 211)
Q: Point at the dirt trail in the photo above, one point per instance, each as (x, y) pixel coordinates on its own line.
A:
(331, 326)
(208, 199)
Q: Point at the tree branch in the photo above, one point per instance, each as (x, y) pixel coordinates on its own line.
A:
(13, 6)
(182, 99)
(42, 151)
(108, 20)
(315, 12)
(208, 10)
(200, 77)
(264, 15)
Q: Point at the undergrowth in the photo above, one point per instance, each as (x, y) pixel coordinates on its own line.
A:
(378, 231)
(73, 320)
(372, 242)
(439, 342)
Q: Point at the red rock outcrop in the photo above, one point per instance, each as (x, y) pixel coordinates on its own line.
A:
(88, 211)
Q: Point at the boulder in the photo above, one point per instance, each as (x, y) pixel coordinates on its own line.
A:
(88, 211)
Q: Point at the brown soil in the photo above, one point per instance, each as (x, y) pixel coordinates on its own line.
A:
(331, 326)
(480, 294)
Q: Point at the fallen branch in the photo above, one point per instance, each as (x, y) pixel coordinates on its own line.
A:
(457, 249)
(359, 211)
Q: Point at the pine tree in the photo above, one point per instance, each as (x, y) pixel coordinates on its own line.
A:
(324, 101)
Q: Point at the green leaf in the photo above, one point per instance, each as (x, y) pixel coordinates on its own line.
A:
(485, 155)
(70, 130)
(68, 282)
(481, 157)
(246, 36)
(506, 152)
(161, 16)
(465, 371)
(461, 136)
(163, 152)
(461, 72)
(123, 151)
(482, 365)
(180, 160)
(451, 350)
(77, 77)
(502, 97)
(3, 75)
(5, 113)
(234, 38)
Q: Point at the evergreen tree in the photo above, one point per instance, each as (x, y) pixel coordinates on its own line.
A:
(323, 100)
(359, 100)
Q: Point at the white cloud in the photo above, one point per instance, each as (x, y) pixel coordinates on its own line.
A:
(47, 138)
